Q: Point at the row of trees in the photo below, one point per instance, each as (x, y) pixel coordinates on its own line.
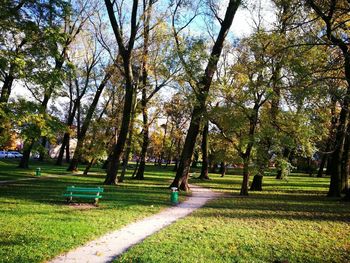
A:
(168, 80)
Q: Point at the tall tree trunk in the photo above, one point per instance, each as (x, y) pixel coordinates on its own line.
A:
(136, 168)
(6, 88)
(145, 141)
(345, 162)
(47, 96)
(112, 170)
(66, 136)
(322, 165)
(326, 157)
(245, 182)
(178, 146)
(204, 148)
(73, 166)
(126, 54)
(68, 149)
(247, 154)
(181, 178)
(144, 101)
(223, 169)
(335, 186)
(64, 143)
(43, 150)
(24, 163)
(176, 166)
(330, 164)
(128, 145)
(10, 76)
(162, 153)
(88, 167)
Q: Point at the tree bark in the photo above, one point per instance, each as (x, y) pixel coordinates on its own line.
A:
(181, 179)
(204, 148)
(24, 163)
(136, 169)
(176, 166)
(64, 143)
(6, 88)
(223, 169)
(145, 141)
(345, 163)
(162, 154)
(245, 182)
(88, 167)
(322, 165)
(128, 145)
(43, 151)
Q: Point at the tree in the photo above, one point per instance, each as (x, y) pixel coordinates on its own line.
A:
(202, 87)
(79, 83)
(158, 68)
(33, 124)
(125, 51)
(47, 79)
(88, 118)
(334, 15)
(25, 41)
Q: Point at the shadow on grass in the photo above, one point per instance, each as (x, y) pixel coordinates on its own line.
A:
(150, 191)
(277, 207)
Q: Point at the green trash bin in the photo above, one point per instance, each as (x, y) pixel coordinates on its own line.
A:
(38, 172)
(174, 196)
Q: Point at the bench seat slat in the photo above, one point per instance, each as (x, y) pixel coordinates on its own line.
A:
(81, 189)
(82, 195)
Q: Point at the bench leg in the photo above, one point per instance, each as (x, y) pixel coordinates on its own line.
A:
(96, 202)
(69, 200)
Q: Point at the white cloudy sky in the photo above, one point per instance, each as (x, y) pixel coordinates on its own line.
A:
(243, 20)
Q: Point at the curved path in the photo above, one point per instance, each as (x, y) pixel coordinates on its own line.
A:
(110, 246)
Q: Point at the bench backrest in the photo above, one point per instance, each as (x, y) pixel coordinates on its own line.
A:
(84, 189)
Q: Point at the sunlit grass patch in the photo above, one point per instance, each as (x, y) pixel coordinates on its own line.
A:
(36, 224)
(291, 220)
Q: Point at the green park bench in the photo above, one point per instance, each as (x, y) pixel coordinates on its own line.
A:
(83, 192)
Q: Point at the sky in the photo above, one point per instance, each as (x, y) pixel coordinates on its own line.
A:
(241, 27)
(243, 20)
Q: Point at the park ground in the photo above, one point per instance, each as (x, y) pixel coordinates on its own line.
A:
(290, 221)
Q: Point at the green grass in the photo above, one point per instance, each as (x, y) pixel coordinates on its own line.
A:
(36, 224)
(289, 221)
(10, 171)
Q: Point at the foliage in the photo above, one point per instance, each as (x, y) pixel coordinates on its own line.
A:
(30, 33)
(29, 121)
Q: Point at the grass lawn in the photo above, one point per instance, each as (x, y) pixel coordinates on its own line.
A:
(36, 224)
(290, 221)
